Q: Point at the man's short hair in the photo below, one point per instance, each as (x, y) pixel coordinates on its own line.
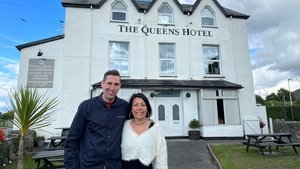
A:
(112, 73)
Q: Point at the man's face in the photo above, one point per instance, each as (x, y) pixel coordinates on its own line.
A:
(111, 87)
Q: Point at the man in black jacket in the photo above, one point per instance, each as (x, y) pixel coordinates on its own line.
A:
(94, 138)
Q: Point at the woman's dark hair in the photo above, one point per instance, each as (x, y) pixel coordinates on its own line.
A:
(145, 99)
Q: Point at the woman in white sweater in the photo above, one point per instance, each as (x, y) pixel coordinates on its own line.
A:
(143, 144)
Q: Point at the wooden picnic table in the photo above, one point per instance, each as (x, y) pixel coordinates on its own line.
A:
(60, 143)
(61, 139)
(277, 140)
(48, 158)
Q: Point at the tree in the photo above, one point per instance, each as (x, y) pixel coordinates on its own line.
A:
(31, 111)
(272, 97)
(283, 92)
(259, 100)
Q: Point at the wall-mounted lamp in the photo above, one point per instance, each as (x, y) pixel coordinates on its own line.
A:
(188, 95)
(152, 94)
(40, 53)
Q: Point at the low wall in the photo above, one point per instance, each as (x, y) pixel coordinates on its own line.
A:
(281, 126)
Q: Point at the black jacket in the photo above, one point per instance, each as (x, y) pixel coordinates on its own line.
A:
(94, 138)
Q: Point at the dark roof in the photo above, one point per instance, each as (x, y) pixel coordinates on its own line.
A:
(19, 47)
(175, 84)
(145, 6)
(229, 12)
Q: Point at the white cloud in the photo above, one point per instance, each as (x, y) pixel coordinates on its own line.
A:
(8, 80)
(7, 60)
(6, 84)
(14, 68)
(16, 41)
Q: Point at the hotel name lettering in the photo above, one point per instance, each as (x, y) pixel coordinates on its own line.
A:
(164, 31)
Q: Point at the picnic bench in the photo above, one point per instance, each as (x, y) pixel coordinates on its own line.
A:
(263, 141)
(51, 159)
(57, 142)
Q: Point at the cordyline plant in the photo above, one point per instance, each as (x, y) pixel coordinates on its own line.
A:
(31, 111)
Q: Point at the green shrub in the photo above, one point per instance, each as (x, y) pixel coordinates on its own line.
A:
(4, 152)
(279, 112)
(8, 150)
(194, 124)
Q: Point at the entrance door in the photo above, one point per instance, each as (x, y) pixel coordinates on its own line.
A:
(169, 115)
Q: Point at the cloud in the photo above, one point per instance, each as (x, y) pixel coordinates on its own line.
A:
(9, 67)
(274, 35)
(15, 41)
(6, 84)
(7, 60)
(8, 79)
(14, 68)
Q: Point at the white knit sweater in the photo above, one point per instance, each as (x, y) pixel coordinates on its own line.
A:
(149, 147)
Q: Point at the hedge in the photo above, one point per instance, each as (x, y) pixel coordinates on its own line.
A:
(278, 112)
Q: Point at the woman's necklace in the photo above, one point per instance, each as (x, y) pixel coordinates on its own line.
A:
(139, 124)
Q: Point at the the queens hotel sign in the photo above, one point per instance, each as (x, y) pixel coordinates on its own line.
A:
(164, 31)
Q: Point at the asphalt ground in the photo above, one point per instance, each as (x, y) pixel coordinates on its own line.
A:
(189, 154)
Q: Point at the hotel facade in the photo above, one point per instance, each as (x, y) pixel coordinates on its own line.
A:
(190, 60)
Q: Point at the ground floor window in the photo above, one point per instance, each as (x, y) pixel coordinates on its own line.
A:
(220, 107)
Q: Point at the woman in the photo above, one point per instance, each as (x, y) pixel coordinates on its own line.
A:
(143, 145)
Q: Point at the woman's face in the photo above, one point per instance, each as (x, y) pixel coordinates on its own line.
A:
(139, 108)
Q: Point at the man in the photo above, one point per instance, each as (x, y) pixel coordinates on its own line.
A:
(94, 138)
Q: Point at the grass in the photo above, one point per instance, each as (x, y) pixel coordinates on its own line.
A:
(233, 156)
(28, 163)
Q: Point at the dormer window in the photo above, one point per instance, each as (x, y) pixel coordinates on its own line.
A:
(119, 12)
(208, 17)
(165, 14)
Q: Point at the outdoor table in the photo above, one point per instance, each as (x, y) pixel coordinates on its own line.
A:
(48, 157)
(262, 141)
(64, 130)
(62, 138)
(59, 144)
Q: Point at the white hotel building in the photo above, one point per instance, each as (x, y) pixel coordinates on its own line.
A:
(191, 61)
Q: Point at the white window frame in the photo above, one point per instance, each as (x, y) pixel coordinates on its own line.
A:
(231, 107)
(119, 57)
(161, 14)
(208, 13)
(167, 59)
(210, 64)
(114, 10)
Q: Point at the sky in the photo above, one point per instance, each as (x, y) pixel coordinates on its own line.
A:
(273, 36)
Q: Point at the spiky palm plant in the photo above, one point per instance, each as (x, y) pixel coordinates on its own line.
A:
(31, 111)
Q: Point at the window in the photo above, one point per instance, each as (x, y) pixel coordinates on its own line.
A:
(119, 57)
(165, 14)
(211, 59)
(167, 59)
(208, 17)
(220, 107)
(119, 12)
(161, 113)
(175, 112)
